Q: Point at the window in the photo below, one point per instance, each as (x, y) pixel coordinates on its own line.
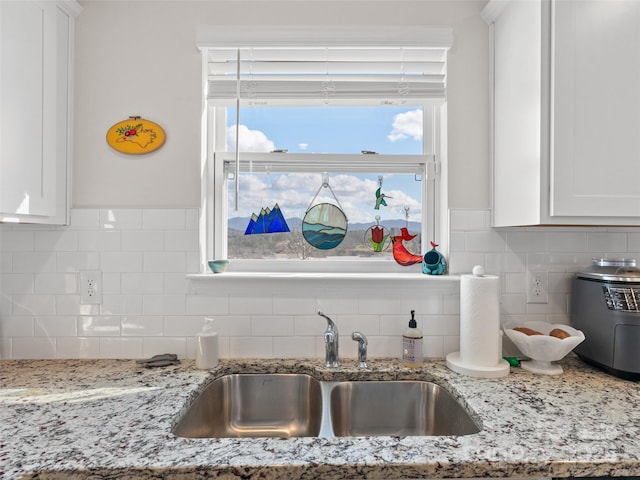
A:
(338, 124)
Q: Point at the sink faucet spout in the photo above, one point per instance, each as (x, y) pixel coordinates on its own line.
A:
(331, 338)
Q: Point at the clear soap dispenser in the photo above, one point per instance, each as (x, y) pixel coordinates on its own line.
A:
(207, 346)
(412, 344)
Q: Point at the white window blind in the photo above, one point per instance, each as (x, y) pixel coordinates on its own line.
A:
(372, 66)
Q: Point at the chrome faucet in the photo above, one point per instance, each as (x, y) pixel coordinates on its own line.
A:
(362, 349)
(331, 342)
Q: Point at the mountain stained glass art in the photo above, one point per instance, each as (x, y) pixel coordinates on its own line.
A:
(269, 221)
(324, 226)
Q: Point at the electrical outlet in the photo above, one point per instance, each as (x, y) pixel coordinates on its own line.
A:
(91, 287)
(538, 286)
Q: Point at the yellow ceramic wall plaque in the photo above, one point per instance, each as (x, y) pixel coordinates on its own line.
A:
(136, 136)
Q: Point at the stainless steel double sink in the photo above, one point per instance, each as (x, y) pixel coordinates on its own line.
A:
(298, 405)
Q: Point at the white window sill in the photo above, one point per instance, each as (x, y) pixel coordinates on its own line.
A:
(366, 277)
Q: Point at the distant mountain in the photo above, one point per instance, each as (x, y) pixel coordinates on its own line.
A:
(295, 224)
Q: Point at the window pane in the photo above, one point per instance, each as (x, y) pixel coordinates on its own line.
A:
(385, 130)
(294, 193)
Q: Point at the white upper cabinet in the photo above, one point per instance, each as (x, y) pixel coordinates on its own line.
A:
(36, 45)
(565, 112)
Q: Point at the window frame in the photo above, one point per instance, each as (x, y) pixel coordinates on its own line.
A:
(213, 221)
(215, 198)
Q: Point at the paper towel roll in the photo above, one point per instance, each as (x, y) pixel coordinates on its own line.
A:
(480, 339)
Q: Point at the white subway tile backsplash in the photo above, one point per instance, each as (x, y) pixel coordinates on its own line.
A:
(181, 240)
(172, 262)
(142, 326)
(33, 347)
(251, 305)
(463, 262)
(567, 241)
(121, 305)
(380, 305)
(232, 326)
(272, 326)
(486, 241)
(152, 304)
(16, 283)
(32, 305)
(142, 241)
(149, 306)
(285, 305)
(17, 241)
(158, 345)
(450, 344)
(126, 262)
(120, 347)
(176, 283)
(55, 326)
(606, 242)
(70, 305)
(210, 306)
(77, 347)
(526, 241)
(367, 324)
(308, 325)
(111, 283)
(21, 326)
(298, 347)
(99, 326)
(433, 346)
(99, 240)
(56, 241)
(85, 218)
(34, 262)
(56, 283)
(468, 220)
(121, 219)
(164, 219)
(251, 347)
(74, 262)
(187, 326)
(142, 283)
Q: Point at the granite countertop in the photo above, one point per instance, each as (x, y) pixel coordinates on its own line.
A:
(99, 419)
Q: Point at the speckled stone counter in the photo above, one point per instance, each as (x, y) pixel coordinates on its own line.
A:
(112, 419)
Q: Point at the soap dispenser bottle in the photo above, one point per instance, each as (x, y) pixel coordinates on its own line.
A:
(412, 344)
(207, 346)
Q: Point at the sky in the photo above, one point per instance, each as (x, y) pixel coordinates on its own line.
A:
(386, 130)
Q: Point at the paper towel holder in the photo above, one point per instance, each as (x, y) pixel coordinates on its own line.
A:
(456, 363)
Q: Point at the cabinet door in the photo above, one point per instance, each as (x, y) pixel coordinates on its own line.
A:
(595, 152)
(28, 108)
(517, 116)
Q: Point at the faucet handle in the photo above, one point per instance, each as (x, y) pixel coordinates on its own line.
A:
(362, 349)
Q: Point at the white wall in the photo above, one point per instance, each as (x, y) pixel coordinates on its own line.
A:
(139, 58)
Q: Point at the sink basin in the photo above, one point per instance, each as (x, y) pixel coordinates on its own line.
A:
(401, 408)
(261, 405)
(298, 405)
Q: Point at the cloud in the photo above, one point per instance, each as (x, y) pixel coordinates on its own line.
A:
(303, 146)
(250, 140)
(407, 125)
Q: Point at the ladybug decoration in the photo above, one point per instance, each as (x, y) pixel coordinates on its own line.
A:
(433, 262)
